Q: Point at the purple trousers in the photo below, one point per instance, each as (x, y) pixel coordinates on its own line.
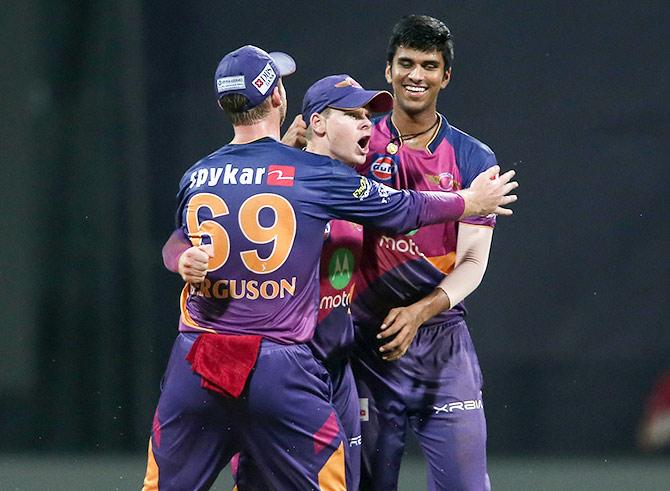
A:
(435, 390)
(345, 400)
(283, 419)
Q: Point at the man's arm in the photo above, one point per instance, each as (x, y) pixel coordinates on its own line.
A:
(472, 253)
(189, 261)
(398, 211)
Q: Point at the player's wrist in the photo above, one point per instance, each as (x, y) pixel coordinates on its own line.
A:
(469, 202)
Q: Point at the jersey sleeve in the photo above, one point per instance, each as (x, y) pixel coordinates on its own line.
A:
(478, 158)
(346, 195)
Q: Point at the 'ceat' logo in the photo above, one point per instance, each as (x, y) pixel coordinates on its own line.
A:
(383, 168)
(445, 181)
(281, 175)
(341, 268)
(348, 82)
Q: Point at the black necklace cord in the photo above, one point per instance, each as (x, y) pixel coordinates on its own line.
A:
(397, 139)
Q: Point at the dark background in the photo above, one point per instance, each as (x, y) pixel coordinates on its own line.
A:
(107, 103)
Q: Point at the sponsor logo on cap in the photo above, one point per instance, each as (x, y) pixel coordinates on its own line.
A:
(383, 168)
(281, 175)
(230, 83)
(264, 80)
(348, 82)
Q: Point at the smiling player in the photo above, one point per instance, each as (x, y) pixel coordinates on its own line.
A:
(240, 376)
(425, 375)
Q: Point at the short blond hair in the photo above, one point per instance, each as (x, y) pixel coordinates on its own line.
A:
(233, 105)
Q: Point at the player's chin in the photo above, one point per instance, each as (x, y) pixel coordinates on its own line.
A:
(358, 157)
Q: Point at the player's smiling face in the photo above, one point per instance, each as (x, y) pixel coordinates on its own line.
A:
(348, 133)
(417, 78)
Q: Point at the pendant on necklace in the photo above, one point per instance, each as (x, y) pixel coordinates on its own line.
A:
(392, 148)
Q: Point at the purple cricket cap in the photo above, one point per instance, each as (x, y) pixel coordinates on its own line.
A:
(251, 72)
(343, 92)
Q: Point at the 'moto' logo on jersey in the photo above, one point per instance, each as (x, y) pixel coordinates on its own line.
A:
(383, 168)
(341, 268)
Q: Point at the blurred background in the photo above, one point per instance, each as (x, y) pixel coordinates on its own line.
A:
(107, 103)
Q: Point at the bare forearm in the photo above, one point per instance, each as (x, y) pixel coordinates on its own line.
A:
(173, 249)
(431, 305)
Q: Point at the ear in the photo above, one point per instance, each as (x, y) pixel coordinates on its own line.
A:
(387, 72)
(446, 79)
(318, 124)
(276, 97)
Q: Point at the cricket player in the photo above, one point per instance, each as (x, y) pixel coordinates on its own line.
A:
(241, 376)
(339, 127)
(412, 286)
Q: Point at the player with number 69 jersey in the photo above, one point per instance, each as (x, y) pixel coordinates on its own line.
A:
(263, 207)
(240, 376)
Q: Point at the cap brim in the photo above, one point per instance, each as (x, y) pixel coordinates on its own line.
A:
(285, 63)
(380, 101)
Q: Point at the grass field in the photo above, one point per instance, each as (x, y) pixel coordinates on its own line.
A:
(56, 473)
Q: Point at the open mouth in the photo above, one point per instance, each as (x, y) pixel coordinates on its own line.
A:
(413, 89)
(363, 143)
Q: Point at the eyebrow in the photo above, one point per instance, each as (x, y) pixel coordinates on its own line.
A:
(356, 111)
(402, 59)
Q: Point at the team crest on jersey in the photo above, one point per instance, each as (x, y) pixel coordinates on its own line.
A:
(445, 181)
(383, 168)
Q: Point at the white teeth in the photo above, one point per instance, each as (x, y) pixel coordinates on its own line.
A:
(415, 89)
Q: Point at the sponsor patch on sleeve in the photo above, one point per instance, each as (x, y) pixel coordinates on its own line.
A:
(363, 190)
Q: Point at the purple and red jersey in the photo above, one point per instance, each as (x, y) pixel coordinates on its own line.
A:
(264, 207)
(398, 270)
(341, 254)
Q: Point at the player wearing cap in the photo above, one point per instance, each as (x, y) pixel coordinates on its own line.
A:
(240, 376)
(420, 280)
(339, 127)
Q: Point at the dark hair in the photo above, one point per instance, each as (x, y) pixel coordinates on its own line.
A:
(234, 105)
(423, 33)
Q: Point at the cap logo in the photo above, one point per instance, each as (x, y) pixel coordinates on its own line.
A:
(230, 83)
(264, 80)
(348, 82)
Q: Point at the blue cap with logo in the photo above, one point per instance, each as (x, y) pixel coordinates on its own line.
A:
(251, 72)
(343, 92)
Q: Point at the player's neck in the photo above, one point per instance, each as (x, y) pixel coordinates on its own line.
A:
(413, 123)
(319, 146)
(268, 127)
(416, 130)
